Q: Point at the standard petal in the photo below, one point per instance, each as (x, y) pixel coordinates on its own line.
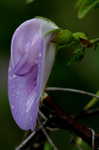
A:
(30, 65)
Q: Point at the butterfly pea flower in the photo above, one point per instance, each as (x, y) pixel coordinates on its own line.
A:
(31, 61)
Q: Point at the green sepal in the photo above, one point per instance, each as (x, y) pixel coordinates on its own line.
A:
(62, 36)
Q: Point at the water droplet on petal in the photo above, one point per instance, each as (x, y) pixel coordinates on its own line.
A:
(12, 106)
(9, 69)
(14, 76)
(40, 54)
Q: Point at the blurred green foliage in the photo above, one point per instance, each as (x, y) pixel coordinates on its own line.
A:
(83, 75)
(84, 6)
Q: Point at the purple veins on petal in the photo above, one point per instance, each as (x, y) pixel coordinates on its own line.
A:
(30, 65)
(27, 61)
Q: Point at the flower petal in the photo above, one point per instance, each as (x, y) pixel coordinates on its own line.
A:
(23, 95)
(30, 64)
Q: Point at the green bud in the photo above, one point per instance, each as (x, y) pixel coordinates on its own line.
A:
(79, 35)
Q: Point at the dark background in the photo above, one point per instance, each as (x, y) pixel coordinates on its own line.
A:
(83, 75)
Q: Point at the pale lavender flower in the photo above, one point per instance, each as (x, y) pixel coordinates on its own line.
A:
(32, 57)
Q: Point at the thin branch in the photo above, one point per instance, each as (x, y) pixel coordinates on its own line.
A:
(26, 141)
(48, 138)
(71, 90)
(42, 115)
(30, 136)
(93, 138)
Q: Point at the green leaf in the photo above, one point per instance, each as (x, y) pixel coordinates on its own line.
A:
(84, 6)
(92, 102)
